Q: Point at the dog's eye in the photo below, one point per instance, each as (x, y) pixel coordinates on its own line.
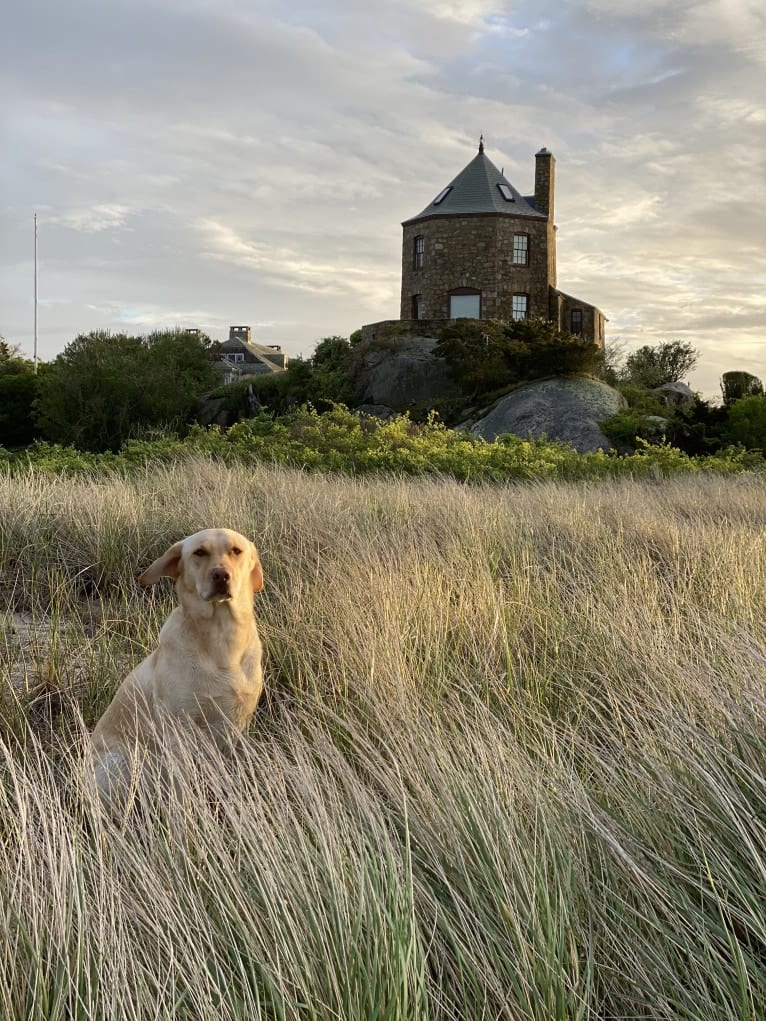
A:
(200, 553)
(236, 551)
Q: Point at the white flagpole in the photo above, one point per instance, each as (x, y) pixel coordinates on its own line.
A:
(35, 292)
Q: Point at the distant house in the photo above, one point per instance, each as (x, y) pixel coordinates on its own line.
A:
(482, 250)
(240, 356)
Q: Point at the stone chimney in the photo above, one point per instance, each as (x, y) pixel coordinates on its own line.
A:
(545, 170)
(240, 333)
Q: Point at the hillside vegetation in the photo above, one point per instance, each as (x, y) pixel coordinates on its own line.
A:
(510, 764)
(344, 442)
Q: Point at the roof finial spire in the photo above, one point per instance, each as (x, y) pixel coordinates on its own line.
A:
(481, 142)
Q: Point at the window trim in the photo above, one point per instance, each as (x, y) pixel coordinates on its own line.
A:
(515, 262)
(514, 296)
(462, 292)
(418, 251)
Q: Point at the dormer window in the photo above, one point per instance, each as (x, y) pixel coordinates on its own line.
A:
(442, 195)
(419, 252)
(506, 192)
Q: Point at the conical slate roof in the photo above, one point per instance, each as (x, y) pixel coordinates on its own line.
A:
(478, 188)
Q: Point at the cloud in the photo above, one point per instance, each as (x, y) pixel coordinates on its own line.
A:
(217, 161)
(92, 219)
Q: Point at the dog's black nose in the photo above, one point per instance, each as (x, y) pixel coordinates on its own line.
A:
(220, 576)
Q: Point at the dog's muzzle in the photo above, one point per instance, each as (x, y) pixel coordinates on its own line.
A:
(220, 584)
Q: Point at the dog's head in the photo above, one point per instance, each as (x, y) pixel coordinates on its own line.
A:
(218, 564)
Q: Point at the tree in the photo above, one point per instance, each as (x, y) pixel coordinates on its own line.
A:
(747, 422)
(322, 380)
(735, 385)
(331, 378)
(104, 387)
(666, 363)
(17, 394)
(18, 390)
(612, 365)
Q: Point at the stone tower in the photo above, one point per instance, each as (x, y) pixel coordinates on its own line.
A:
(482, 250)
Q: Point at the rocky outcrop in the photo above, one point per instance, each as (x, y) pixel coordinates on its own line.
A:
(567, 408)
(674, 395)
(213, 411)
(401, 373)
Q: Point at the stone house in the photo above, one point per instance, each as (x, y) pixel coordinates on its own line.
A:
(482, 250)
(240, 356)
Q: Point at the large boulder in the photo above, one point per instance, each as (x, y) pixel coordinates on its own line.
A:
(401, 373)
(567, 408)
(675, 395)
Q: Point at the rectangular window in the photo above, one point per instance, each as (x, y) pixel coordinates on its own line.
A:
(465, 306)
(519, 306)
(419, 256)
(417, 306)
(575, 321)
(520, 249)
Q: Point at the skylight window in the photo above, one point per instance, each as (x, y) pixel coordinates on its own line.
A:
(506, 192)
(442, 195)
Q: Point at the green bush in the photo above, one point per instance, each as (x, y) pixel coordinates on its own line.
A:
(322, 380)
(738, 384)
(747, 423)
(642, 400)
(340, 441)
(484, 356)
(17, 395)
(628, 425)
(104, 387)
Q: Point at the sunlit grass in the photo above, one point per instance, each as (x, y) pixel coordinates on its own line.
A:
(510, 763)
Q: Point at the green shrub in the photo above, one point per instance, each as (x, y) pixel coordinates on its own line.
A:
(738, 384)
(104, 387)
(484, 356)
(17, 395)
(642, 400)
(339, 441)
(747, 423)
(628, 425)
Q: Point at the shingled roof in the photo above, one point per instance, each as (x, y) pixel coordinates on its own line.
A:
(479, 188)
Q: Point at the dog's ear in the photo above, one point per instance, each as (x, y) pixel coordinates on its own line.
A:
(256, 575)
(167, 566)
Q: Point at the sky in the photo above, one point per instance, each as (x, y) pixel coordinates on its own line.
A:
(215, 162)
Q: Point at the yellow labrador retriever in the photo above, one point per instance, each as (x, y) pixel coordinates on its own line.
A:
(206, 671)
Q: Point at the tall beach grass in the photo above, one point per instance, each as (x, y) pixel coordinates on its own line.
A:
(510, 763)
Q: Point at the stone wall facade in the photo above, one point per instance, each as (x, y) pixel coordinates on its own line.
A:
(474, 253)
(563, 307)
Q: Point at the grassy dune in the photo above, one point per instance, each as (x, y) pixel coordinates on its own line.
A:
(510, 763)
